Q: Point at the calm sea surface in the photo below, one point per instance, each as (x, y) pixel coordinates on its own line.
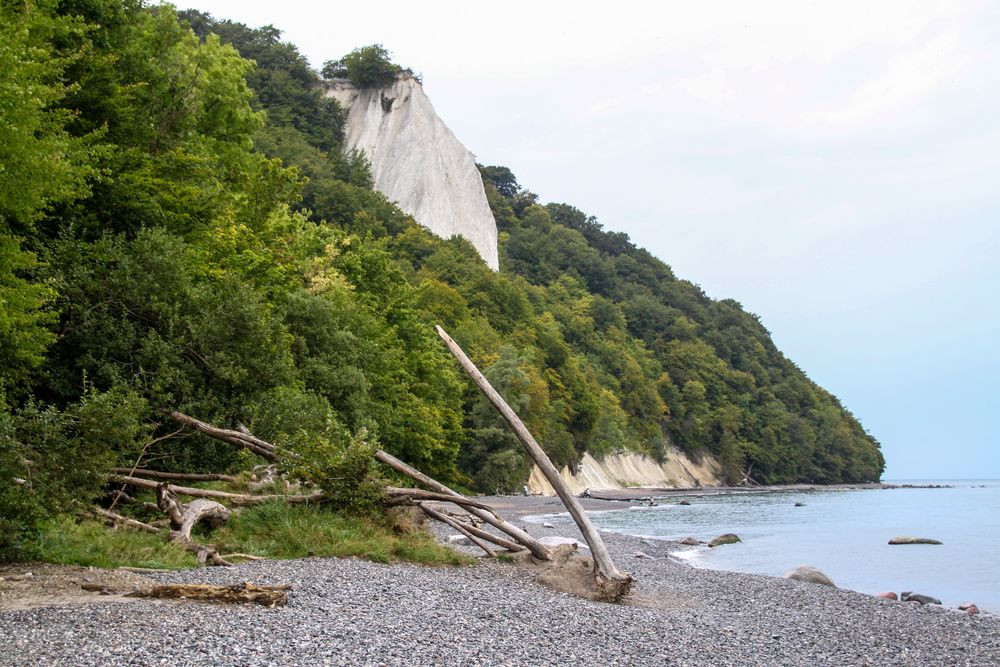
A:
(844, 533)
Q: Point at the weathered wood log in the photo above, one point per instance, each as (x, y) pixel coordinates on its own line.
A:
(434, 514)
(486, 535)
(616, 584)
(420, 494)
(117, 519)
(236, 499)
(537, 549)
(184, 517)
(267, 596)
(254, 444)
(179, 476)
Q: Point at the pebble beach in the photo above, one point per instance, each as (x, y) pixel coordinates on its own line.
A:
(350, 612)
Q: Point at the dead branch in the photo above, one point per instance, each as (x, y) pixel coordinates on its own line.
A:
(434, 514)
(236, 499)
(113, 518)
(420, 494)
(267, 596)
(252, 443)
(537, 549)
(180, 476)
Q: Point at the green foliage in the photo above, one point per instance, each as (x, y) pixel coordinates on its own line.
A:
(180, 229)
(366, 67)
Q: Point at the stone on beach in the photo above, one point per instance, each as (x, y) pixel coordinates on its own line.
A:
(556, 540)
(460, 540)
(810, 574)
(691, 541)
(917, 597)
(728, 538)
(969, 608)
(887, 595)
(913, 540)
(547, 525)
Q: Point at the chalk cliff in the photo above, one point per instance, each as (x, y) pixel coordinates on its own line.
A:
(417, 161)
(619, 471)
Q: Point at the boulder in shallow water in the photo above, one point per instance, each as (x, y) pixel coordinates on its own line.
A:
(800, 504)
(913, 540)
(969, 608)
(887, 595)
(917, 597)
(691, 541)
(728, 538)
(810, 574)
(684, 502)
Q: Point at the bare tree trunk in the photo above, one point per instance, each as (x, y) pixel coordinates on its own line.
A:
(537, 549)
(238, 499)
(615, 583)
(420, 494)
(180, 476)
(444, 518)
(238, 438)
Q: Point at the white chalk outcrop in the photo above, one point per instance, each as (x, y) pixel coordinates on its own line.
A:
(625, 470)
(417, 161)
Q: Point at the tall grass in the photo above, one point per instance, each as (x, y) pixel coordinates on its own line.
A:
(271, 530)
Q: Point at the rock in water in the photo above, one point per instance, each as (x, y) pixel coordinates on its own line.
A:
(417, 161)
(728, 538)
(913, 540)
(810, 574)
(690, 541)
(917, 597)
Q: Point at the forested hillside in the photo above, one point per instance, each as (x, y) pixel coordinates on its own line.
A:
(180, 230)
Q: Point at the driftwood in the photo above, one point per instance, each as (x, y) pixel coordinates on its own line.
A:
(114, 518)
(237, 499)
(267, 596)
(242, 438)
(610, 580)
(420, 494)
(179, 476)
(434, 514)
(537, 549)
(490, 537)
(184, 517)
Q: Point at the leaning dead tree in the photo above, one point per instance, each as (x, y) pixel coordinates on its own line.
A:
(610, 580)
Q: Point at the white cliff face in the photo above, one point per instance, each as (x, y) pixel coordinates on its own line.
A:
(417, 161)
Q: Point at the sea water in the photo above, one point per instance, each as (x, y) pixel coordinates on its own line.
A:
(844, 533)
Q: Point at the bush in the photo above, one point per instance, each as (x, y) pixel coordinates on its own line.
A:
(367, 67)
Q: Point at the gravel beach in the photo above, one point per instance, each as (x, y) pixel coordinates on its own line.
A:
(349, 612)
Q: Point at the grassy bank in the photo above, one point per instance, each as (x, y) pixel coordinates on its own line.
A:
(271, 530)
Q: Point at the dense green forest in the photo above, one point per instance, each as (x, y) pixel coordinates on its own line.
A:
(180, 229)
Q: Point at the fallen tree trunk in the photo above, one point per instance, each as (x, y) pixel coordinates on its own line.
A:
(420, 494)
(238, 499)
(434, 514)
(267, 596)
(180, 476)
(495, 539)
(610, 579)
(240, 439)
(537, 549)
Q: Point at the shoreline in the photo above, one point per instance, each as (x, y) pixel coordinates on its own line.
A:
(351, 612)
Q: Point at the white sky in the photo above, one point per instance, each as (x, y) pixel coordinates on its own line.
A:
(831, 165)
